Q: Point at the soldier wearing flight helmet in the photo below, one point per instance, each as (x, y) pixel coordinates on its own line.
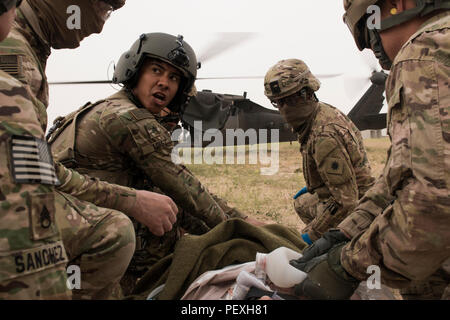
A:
(121, 140)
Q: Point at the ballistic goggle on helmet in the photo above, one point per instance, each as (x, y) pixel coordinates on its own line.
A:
(170, 49)
(6, 5)
(287, 77)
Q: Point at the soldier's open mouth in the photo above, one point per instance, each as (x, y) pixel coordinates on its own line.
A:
(160, 97)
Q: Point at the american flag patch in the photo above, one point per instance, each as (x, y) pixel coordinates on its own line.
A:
(32, 161)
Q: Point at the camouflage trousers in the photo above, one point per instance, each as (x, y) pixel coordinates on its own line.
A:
(99, 241)
(150, 248)
(434, 288)
(306, 207)
(315, 214)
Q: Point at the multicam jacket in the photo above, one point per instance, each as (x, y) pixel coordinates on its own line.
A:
(23, 56)
(120, 142)
(335, 165)
(28, 230)
(402, 223)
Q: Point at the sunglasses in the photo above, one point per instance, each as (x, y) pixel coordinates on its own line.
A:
(289, 100)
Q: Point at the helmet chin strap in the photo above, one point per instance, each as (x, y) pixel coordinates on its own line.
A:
(182, 108)
(377, 47)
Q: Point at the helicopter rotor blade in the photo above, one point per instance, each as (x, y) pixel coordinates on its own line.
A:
(229, 78)
(81, 82)
(369, 60)
(224, 42)
(262, 77)
(201, 78)
(355, 84)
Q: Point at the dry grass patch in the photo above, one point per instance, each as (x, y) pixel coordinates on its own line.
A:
(269, 197)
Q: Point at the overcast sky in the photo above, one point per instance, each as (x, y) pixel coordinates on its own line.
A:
(269, 31)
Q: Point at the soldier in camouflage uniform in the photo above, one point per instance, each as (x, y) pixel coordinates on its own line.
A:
(402, 223)
(32, 256)
(335, 164)
(101, 241)
(121, 140)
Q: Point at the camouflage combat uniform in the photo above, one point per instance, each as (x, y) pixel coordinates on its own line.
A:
(32, 255)
(101, 241)
(336, 170)
(402, 223)
(121, 142)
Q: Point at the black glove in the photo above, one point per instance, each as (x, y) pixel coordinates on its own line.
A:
(326, 279)
(320, 247)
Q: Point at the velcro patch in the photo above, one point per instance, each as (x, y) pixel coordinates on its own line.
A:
(42, 216)
(275, 87)
(334, 166)
(12, 64)
(337, 171)
(32, 161)
(140, 114)
(23, 262)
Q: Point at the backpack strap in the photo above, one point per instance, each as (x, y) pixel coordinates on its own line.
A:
(67, 126)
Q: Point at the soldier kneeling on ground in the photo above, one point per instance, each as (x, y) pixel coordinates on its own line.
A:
(335, 165)
(120, 140)
(401, 225)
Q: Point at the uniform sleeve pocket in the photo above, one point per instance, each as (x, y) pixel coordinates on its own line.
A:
(400, 133)
(141, 139)
(337, 171)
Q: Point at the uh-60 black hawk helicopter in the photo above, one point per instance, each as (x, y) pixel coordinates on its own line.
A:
(211, 110)
(226, 111)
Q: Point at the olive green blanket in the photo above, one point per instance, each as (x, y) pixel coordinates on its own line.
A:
(231, 242)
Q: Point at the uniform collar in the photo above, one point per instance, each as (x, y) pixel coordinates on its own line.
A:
(129, 94)
(435, 22)
(430, 24)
